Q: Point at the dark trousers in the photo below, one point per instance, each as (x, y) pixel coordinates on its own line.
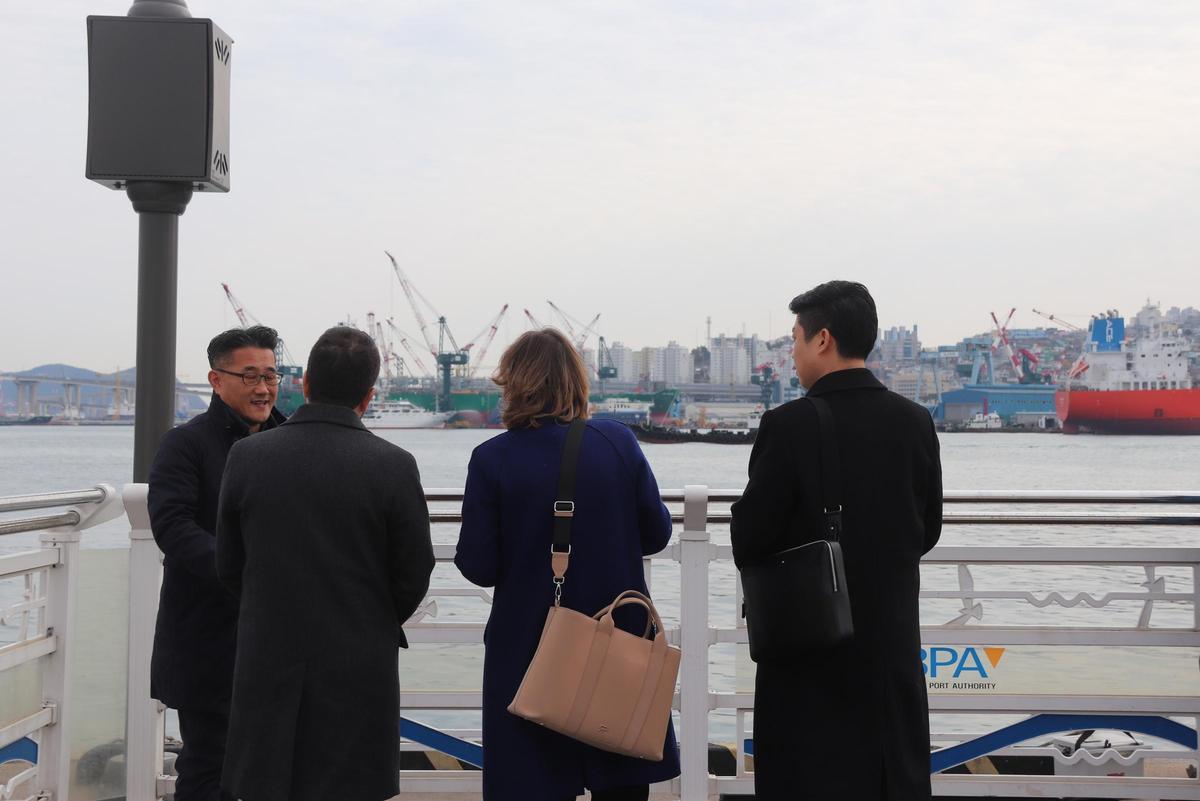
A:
(199, 762)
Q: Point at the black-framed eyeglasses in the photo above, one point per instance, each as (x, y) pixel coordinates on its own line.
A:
(252, 379)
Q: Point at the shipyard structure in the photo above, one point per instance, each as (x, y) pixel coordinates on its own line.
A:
(1139, 375)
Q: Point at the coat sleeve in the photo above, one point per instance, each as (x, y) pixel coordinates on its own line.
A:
(760, 517)
(231, 550)
(654, 519)
(411, 548)
(478, 553)
(933, 495)
(174, 503)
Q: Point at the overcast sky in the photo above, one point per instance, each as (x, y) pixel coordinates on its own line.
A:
(657, 163)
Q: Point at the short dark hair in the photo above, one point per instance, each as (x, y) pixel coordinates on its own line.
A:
(226, 342)
(342, 367)
(847, 309)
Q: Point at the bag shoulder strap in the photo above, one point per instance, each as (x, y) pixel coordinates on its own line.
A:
(564, 505)
(830, 470)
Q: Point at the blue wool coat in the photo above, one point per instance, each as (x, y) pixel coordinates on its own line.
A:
(505, 543)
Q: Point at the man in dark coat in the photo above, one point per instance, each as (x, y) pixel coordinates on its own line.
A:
(192, 665)
(853, 722)
(191, 669)
(323, 532)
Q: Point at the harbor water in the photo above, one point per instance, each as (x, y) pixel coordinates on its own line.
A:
(44, 458)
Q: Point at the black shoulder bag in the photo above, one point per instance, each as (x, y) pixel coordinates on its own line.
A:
(796, 601)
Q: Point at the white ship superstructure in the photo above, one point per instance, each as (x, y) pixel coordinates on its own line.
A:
(402, 414)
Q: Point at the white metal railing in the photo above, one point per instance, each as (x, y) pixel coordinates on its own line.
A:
(50, 600)
(46, 616)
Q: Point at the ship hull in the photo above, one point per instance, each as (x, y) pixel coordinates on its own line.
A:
(1154, 411)
(412, 421)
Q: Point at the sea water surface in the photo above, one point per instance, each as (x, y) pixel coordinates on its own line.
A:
(44, 458)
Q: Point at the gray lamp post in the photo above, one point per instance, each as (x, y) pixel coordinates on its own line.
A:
(158, 129)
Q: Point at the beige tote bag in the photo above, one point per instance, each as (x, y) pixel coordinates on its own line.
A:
(598, 684)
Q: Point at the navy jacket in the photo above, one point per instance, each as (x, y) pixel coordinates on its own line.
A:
(194, 636)
(505, 543)
(852, 722)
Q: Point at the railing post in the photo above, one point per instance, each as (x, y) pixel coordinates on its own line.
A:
(143, 715)
(694, 556)
(54, 743)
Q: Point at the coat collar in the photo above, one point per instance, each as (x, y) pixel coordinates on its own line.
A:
(326, 413)
(854, 378)
(226, 418)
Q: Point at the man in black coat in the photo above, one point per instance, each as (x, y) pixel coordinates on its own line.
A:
(853, 722)
(329, 551)
(192, 665)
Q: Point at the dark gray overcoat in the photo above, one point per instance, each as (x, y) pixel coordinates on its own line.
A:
(323, 532)
(852, 723)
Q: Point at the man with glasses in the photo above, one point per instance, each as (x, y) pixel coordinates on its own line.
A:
(196, 633)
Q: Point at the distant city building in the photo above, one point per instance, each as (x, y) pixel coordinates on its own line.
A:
(904, 382)
(622, 359)
(675, 364)
(899, 345)
(731, 359)
(1188, 319)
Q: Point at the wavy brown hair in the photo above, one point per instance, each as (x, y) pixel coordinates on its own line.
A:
(542, 376)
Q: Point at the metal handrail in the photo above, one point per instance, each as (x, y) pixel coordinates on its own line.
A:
(50, 500)
(70, 518)
(1031, 497)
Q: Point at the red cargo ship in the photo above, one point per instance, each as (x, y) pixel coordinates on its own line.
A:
(1130, 387)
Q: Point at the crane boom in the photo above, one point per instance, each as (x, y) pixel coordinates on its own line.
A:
(491, 334)
(245, 319)
(587, 332)
(411, 294)
(562, 315)
(533, 320)
(238, 309)
(1002, 339)
(1058, 320)
(404, 344)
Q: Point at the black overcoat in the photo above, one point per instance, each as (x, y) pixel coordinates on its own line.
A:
(192, 663)
(852, 723)
(323, 532)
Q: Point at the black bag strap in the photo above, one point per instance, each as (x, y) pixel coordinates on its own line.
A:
(564, 505)
(830, 470)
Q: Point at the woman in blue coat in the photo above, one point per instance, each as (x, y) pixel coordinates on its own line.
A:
(505, 543)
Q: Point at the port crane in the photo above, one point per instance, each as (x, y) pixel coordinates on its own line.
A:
(605, 369)
(1024, 361)
(533, 321)
(1081, 365)
(245, 319)
(446, 353)
(580, 337)
(1058, 320)
(488, 334)
(408, 348)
